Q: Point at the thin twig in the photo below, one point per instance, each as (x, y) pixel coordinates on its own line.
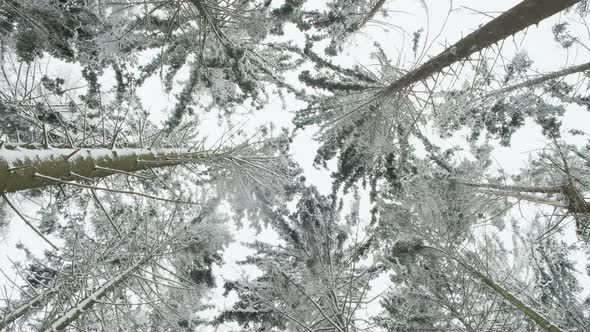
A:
(27, 222)
(41, 176)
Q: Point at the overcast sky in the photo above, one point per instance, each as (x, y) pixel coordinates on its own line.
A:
(444, 23)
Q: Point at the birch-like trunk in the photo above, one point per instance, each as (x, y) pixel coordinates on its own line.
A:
(516, 19)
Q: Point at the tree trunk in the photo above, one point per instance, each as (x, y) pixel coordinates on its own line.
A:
(18, 167)
(518, 304)
(519, 17)
(25, 308)
(526, 189)
(541, 79)
(374, 10)
(81, 307)
(576, 204)
(505, 294)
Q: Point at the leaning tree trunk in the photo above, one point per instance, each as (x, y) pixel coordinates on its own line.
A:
(516, 303)
(541, 79)
(576, 203)
(369, 16)
(519, 305)
(81, 307)
(516, 19)
(22, 169)
(26, 307)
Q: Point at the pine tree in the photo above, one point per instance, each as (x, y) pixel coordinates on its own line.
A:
(128, 211)
(386, 106)
(317, 279)
(427, 230)
(97, 153)
(556, 178)
(59, 28)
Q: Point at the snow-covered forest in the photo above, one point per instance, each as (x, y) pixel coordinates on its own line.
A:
(295, 165)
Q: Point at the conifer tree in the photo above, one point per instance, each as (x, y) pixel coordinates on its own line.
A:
(386, 106)
(127, 210)
(316, 280)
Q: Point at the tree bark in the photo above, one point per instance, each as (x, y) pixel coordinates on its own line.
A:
(25, 308)
(374, 10)
(541, 79)
(18, 167)
(576, 204)
(505, 294)
(526, 189)
(516, 19)
(518, 304)
(81, 307)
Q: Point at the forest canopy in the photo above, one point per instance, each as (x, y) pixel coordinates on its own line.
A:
(294, 165)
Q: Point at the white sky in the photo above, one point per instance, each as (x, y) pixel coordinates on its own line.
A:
(411, 16)
(405, 17)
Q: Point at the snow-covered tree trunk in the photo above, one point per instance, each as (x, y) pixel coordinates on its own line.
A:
(87, 303)
(371, 14)
(22, 169)
(505, 294)
(26, 307)
(527, 189)
(517, 303)
(576, 203)
(519, 17)
(541, 79)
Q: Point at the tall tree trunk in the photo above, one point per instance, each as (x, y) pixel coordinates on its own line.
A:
(505, 294)
(20, 169)
(369, 16)
(519, 17)
(576, 204)
(516, 303)
(81, 307)
(526, 189)
(25, 308)
(541, 79)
